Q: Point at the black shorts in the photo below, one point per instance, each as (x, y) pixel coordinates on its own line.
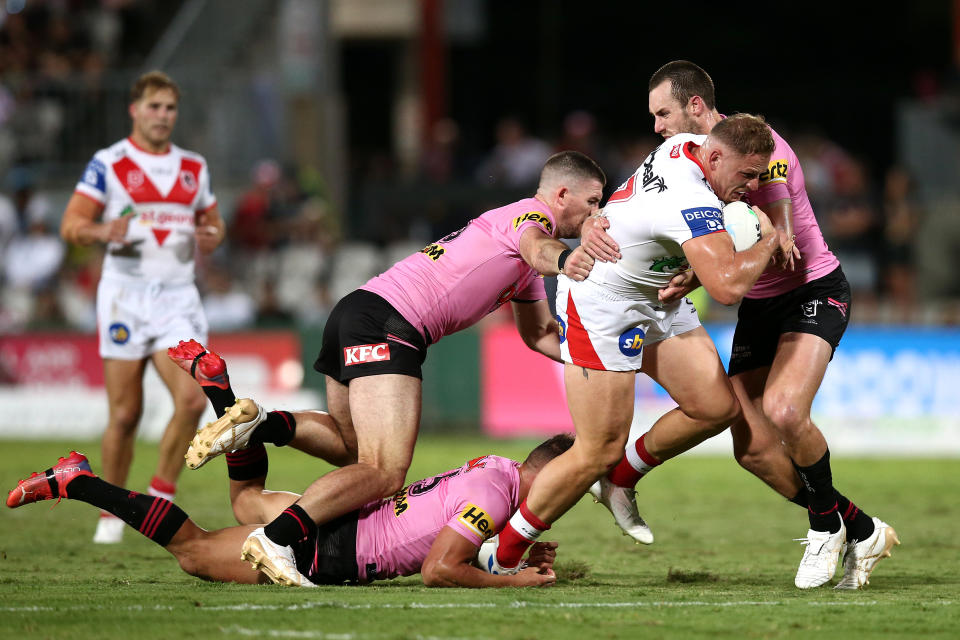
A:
(820, 307)
(366, 336)
(330, 557)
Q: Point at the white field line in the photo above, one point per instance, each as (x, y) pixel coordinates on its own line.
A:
(474, 605)
(318, 635)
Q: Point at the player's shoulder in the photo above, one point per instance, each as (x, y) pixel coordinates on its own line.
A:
(114, 152)
(517, 213)
(489, 468)
(188, 154)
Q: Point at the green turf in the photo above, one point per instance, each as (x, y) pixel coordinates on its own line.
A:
(722, 565)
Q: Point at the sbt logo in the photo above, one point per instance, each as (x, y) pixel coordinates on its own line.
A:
(563, 328)
(477, 520)
(631, 342)
(366, 353)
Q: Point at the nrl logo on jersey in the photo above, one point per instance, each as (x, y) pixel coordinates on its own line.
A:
(534, 216)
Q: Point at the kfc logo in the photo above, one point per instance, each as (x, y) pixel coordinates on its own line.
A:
(366, 353)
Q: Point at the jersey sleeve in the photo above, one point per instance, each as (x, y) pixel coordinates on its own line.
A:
(93, 182)
(688, 218)
(541, 218)
(773, 181)
(532, 292)
(206, 200)
(481, 505)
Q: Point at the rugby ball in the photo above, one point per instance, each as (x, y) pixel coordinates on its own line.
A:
(742, 224)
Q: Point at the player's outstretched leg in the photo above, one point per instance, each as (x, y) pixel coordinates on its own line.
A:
(230, 432)
(276, 562)
(862, 556)
(50, 484)
(616, 490)
(208, 369)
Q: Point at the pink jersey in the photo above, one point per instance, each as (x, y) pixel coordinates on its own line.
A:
(457, 280)
(784, 179)
(394, 535)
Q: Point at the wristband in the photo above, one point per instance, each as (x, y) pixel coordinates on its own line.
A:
(562, 259)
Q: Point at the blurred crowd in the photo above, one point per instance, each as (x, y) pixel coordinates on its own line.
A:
(290, 254)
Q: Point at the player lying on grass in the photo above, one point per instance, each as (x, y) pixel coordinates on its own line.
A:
(433, 526)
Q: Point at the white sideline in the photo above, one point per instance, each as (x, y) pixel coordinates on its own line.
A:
(516, 604)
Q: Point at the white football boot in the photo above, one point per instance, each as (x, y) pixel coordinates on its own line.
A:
(819, 561)
(228, 433)
(861, 557)
(273, 560)
(109, 530)
(622, 503)
(487, 559)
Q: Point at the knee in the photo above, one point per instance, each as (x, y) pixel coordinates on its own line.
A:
(597, 458)
(391, 481)
(192, 404)
(783, 414)
(125, 418)
(718, 411)
(246, 506)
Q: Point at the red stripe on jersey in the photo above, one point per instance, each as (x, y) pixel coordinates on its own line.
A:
(688, 151)
(581, 349)
(135, 181)
(185, 188)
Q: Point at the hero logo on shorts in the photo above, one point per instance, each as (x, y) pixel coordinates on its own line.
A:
(119, 333)
(364, 353)
(703, 220)
(631, 342)
(534, 216)
(477, 520)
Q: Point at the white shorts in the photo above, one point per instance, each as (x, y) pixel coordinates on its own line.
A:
(136, 319)
(602, 330)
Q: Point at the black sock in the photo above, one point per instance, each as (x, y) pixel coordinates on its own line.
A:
(221, 399)
(291, 526)
(154, 517)
(277, 428)
(859, 525)
(247, 464)
(821, 498)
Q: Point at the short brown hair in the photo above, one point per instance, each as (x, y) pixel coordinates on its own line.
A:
(744, 133)
(573, 164)
(151, 81)
(547, 451)
(686, 80)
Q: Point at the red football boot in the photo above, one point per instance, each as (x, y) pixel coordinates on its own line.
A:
(52, 483)
(204, 366)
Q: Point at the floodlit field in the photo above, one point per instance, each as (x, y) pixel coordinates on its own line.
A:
(722, 564)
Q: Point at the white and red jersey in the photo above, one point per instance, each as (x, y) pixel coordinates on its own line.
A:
(665, 203)
(163, 192)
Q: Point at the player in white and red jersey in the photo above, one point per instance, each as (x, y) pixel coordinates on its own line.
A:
(150, 203)
(432, 527)
(665, 218)
(375, 341)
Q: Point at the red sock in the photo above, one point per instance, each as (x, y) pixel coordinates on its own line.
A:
(161, 488)
(521, 531)
(636, 463)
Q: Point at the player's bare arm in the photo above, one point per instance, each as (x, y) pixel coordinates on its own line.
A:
(542, 252)
(726, 274)
(80, 226)
(210, 230)
(596, 241)
(538, 328)
(450, 564)
(780, 213)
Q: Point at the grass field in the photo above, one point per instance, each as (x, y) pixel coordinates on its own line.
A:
(722, 565)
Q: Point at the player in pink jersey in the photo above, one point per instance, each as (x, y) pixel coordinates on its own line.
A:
(156, 208)
(789, 325)
(376, 338)
(432, 527)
